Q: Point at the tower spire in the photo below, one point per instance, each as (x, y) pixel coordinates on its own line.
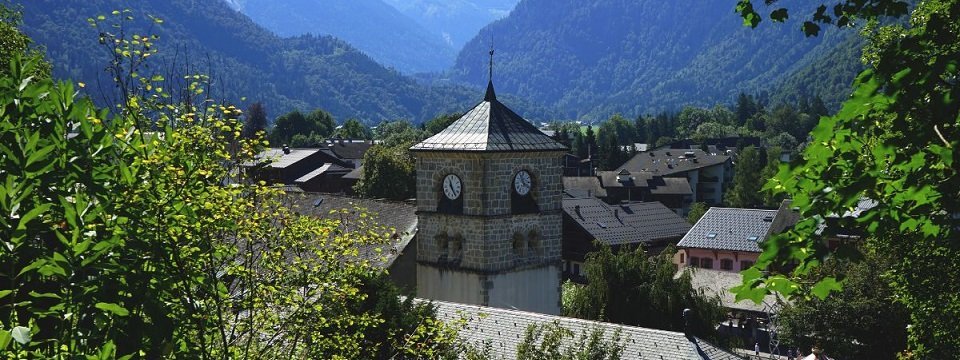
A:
(490, 95)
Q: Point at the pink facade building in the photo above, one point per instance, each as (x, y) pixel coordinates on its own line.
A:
(727, 239)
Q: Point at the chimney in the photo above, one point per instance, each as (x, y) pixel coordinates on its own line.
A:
(687, 321)
(286, 149)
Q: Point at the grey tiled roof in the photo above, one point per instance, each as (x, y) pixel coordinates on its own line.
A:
(277, 159)
(730, 229)
(672, 161)
(355, 173)
(327, 168)
(348, 148)
(489, 126)
(399, 216)
(628, 223)
(504, 329)
(583, 186)
(718, 282)
(656, 183)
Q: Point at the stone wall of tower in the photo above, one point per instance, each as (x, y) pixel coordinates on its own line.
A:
(488, 179)
(487, 237)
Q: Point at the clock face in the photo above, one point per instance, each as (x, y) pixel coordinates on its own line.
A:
(522, 182)
(452, 186)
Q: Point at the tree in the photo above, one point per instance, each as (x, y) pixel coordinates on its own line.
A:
(746, 108)
(630, 288)
(610, 155)
(769, 171)
(13, 43)
(388, 172)
(255, 120)
(288, 125)
(397, 133)
(439, 123)
(320, 123)
(696, 212)
(894, 142)
(862, 321)
(640, 126)
(296, 129)
(590, 141)
(353, 129)
(121, 243)
(551, 341)
(745, 192)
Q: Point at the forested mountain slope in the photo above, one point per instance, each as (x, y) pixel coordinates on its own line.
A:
(642, 56)
(372, 26)
(243, 59)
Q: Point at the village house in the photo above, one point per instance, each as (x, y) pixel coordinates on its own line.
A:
(586, 219)
(318, 169)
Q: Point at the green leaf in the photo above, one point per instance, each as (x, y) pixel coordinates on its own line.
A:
(21, 335)
(825, 286)
(30, 215)
(4, 293)
(5, 339)
(112, 308)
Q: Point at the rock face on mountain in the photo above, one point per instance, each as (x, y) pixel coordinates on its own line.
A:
(380, 30)
(594, 59)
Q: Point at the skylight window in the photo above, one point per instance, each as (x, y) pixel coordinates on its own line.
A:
(712, 236)
(753, 238)
(602, 225)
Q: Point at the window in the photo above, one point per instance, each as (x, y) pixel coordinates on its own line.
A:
(745, 264)
(694, 261)
(681, 258)
(726, 264)
(576, 269)
(706, 263)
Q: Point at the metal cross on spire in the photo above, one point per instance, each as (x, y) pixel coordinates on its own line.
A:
(491, 62)
(490, 95)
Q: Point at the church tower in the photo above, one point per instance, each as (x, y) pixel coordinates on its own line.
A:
(489, 205)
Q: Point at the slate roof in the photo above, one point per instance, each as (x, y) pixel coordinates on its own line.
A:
(628, 223)
(672, 161)
(400, 216)
(504, 329)
(277, 159)
(669, 186)
(583, 186)
(718, 282)
(354, 174)
(327, 168)
(657, 184)
(348, 148)
(489, 126)
(730, 229)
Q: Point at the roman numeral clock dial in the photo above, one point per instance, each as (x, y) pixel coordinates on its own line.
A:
(452, 186)
(522, 183)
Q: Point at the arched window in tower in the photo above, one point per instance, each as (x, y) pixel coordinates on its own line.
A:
(450, 195)
(533, 242)
(523, 193)
(519, 244)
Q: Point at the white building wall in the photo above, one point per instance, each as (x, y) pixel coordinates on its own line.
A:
(524, 290)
